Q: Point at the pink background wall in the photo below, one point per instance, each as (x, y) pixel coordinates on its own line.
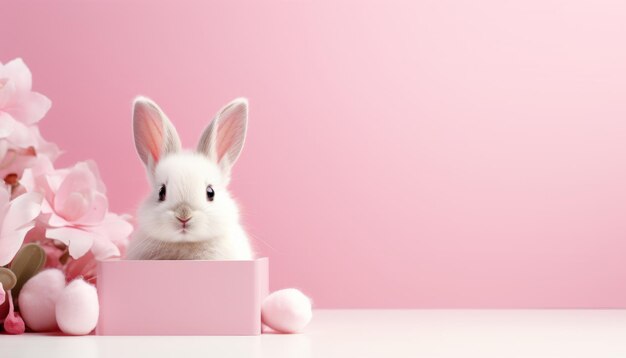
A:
(416, 154)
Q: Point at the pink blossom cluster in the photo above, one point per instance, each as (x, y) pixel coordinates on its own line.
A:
(64, 210)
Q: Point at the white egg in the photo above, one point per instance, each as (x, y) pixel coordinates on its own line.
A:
(77, 308)
(287, 310)
(38, 297)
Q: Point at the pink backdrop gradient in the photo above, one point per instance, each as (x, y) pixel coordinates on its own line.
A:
(400, 154)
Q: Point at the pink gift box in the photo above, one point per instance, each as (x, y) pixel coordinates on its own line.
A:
(179, 298)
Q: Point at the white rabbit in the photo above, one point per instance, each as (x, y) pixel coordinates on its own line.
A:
(189, 214)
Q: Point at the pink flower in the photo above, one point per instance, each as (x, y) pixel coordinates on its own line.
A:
(115, 228)
(76, 207)
(19, 106)
(16, 219)
(20, 110)
(14, 160)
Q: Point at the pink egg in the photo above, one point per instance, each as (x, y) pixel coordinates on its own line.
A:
(14, 324)
(286, 311)
(38, 299)
(77, 308)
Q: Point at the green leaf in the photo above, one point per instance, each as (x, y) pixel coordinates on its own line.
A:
(8, 279)
(26, 264)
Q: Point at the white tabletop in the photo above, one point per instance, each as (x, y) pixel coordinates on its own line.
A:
(372, 333)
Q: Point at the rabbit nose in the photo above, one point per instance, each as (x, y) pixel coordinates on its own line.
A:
(183, 213)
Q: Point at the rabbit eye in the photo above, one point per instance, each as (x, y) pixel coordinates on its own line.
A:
(210, 193)
(162, 193)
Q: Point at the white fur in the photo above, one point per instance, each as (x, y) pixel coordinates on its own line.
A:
(213, 231)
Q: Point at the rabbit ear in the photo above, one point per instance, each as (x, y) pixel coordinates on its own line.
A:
(155, 136)
(223, 139)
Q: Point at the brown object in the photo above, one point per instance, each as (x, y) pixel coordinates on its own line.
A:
(8, 279)
(28, 261)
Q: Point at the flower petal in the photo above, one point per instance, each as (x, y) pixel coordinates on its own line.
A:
(30, 108)
(96, 212)
(17, 219)
(76, 204)
(103, 248)
(21, 136)
(93, 167)
(17, 71)
(10, 243)
(4, 148)
(7, 124)
(115, 229)
(79, 181)
(49, 184)
(46, 208)
(78, 241)
(22, 211)
(16, 160)
(7, 91)
(85, 267)
(5, 196)
(54, 220)
(44, 148)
